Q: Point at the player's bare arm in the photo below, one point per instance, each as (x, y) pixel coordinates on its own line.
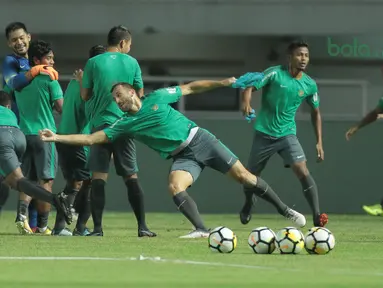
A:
(316, 120)
(86, 93)
(58, 105)
(371, 117)
(246, 100)
(99, 137)
(205, 85)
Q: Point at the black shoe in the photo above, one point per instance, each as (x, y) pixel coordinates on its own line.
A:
(245, 214)
(146, 233)
(96, 234)
(62, 206)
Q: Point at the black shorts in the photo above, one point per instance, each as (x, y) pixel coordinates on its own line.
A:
(73, 162)
(12, 149)
(124, 155)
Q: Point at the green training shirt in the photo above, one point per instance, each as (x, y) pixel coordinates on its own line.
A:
(7, 117)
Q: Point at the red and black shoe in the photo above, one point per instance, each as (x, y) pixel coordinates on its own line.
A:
(320, 220)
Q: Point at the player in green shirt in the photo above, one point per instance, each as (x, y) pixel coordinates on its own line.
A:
(100, 73)
(284, 88)
(152, 121)
(372, 116)
(35, 104)
(12, 149)
(73, 159)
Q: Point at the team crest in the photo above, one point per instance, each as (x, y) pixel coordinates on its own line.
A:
(155, 107)
(300, 93)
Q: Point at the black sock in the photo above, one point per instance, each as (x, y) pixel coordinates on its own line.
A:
(264, 191)
(188, 207)
(310, 191)
(42, 220)
(83, 206)
(97, 203)
(60, 218)
(4, 194)
(33, 190)
(136, 200)
(22, 210)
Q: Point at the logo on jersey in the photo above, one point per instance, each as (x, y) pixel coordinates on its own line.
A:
(155, 107)
(301, 93)
(171, 90)
(315, 97)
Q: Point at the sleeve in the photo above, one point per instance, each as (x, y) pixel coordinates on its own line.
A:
(268, 77)
(167, 95)
(12, 78)
(313, 100)
(55, 91)
(137, 81)
(87, 79)
(119, 128)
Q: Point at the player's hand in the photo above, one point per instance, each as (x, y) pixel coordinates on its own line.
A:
(229, 81)
(320, 152)
(44, 70)
(351, 132)
(78, 75)
(47, 135)
(246, 109)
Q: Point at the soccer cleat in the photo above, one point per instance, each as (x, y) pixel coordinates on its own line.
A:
(146, 233)
(76, 232)
(373, 210)
(63, 232)
(320, 220)
(96, 233)
(198, 233)
(46, 231)
(245, 214)
(296, 217)
(61, 203)
(23, 225)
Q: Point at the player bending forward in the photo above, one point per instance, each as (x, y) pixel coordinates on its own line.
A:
(152, 121)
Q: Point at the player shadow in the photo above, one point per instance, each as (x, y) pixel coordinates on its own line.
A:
(13, 234)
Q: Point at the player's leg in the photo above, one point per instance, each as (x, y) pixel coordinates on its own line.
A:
(262, 149)
(294, 157)
(32, 215)
(124, 156)
(4, 194)
(82, 207)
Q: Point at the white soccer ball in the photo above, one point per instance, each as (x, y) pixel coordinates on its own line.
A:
(319, 240)
(289, 240)
(222, 240)
(262, 240)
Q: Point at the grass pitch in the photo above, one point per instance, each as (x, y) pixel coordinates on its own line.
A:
(166, 261)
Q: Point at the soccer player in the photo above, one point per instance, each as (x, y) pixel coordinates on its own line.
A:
(152, 121)
(284, 88)
(73, 159)
(15, 69)
(100, 73)
(35, 104)
(372, 116)
(12, 148)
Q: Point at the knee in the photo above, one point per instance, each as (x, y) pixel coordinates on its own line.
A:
(129, 177)
(300, 169)
(176, 187)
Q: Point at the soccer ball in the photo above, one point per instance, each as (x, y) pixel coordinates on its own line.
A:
(319, 240)
(262, 240)
(222, 240)
(289, 240)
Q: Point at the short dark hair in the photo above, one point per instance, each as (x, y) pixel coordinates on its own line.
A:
(96, 50)
(38, 49)
(124, 84)
(295, 45)
(13, 27)
(117, 34)
(5, 98)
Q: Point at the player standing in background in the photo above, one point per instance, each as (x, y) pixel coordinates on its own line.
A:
(372, 116)
(73, 159)
(100, 73)
(35, 104)
(12, 148)
(15, 69)
(284, 89)
(152, 121)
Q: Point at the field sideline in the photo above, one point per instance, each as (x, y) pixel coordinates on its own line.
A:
(119, 258)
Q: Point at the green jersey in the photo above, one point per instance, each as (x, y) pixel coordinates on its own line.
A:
(35, 103)
(156, 124)
(100, 74)
(73, 119)
(281, 97)
(7, 117)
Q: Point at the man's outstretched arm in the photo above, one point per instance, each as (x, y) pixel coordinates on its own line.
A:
(205, 85)
(371, 117)
(99, 137)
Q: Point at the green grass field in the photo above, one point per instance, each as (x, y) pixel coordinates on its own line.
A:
(112, 261)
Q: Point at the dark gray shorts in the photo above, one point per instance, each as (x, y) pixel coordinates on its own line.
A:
(73, 162)
(40, 159)
(12, 149)
(205, 150)
(124, 155)
(265, 146)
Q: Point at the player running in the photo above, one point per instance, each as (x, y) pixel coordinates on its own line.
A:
(73, 159)
(35, 104)
(100, 73)
(12, 148)
(283, 91)
(152, 121)
(372, 116)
